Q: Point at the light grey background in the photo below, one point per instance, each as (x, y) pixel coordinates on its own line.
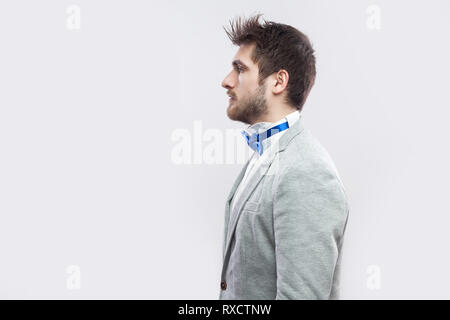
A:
(86, 118)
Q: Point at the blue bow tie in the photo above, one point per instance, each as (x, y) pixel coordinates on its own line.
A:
(255, 140)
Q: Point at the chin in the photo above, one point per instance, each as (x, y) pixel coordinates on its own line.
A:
(231, 112)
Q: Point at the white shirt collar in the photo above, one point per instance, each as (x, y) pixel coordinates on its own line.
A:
(260, 127)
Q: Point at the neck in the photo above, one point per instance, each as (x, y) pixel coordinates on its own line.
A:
(274, 115)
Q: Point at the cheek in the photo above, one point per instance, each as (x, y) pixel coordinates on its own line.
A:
(243, 83)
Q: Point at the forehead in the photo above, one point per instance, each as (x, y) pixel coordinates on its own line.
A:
(244, 54)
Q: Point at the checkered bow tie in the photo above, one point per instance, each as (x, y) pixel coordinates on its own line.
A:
(255, 140)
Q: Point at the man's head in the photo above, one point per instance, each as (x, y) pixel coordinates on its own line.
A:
(273, 70)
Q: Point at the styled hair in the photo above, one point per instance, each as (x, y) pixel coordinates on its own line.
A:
(278, 46)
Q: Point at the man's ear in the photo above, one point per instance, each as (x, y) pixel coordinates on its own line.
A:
(281, 79)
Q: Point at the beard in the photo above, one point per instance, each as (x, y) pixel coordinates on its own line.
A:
(249, 108)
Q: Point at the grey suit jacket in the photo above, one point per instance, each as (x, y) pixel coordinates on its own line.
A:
(285, 239)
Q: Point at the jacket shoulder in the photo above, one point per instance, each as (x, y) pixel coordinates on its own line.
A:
(307, 159)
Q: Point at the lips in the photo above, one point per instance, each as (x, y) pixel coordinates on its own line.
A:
(231, 96)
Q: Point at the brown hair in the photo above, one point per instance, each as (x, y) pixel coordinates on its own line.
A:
(278, 46)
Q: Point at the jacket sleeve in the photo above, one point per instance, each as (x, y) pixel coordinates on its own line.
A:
(310, 214)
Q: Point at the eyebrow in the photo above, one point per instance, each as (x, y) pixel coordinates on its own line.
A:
(237, 63)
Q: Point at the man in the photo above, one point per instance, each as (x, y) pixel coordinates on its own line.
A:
(287, 211)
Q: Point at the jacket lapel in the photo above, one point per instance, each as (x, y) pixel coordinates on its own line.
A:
(230, 196)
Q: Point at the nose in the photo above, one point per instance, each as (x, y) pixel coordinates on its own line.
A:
(228, 82)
